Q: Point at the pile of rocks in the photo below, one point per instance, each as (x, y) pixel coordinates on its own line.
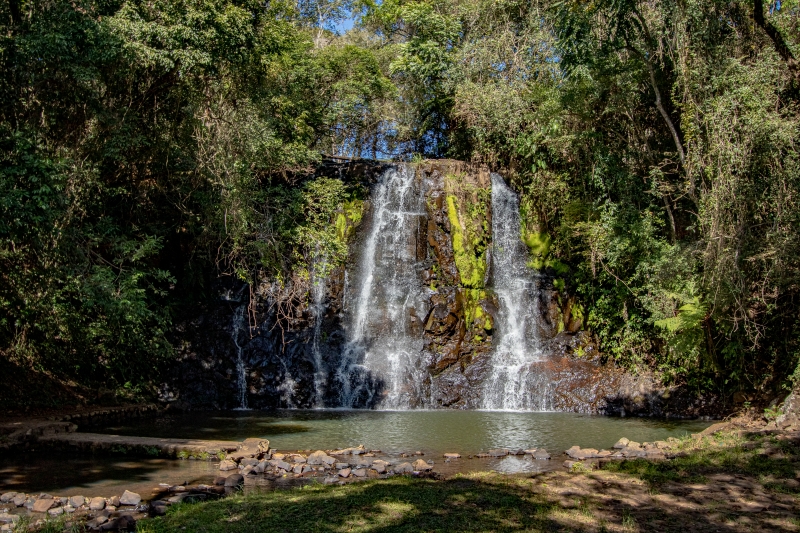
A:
(623, 449)
(539, 454)
(255, 458)
(103, 514)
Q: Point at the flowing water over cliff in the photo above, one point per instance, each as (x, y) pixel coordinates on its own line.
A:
(512, 383)
(381, 366)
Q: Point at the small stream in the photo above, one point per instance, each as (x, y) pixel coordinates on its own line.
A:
(393, 432)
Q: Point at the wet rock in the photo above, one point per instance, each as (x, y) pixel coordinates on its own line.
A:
(248, 461)
(452, 455)
(42, 505)
(498, 452)
(228, 464)
(234, 480)
(77, 501)
(621, 443)
(130, 498)
(219, 481)
(540, 454)
(249, 471)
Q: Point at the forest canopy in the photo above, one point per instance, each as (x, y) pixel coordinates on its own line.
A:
(148, 147)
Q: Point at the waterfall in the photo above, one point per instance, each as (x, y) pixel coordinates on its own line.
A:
(318, 288)
(238, 325)
(380, 365)
(513, 383)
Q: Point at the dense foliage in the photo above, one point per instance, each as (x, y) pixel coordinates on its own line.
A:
(146, 147)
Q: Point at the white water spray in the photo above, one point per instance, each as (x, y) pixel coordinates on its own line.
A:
(512, 383)
(383, 350)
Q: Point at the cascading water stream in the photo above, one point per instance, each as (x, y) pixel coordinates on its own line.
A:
(380, 365)
(318, 289)
(512, 383)
(238, 325)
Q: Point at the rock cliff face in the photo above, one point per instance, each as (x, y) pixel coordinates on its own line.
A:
(411, 320)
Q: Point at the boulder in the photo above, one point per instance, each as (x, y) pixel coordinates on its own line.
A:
(379, 468)
(360, 472)
(248, 461)
(56, 512)
(339, 466)
(42, 505)
(7, 497)
(421, 466)
(19, 500)
(621, 443)
(130, 498)
(404, 468)
(320, 458)
(227, 464)
(234, 480)
(219, 481)
(452, 455)
(77, 501)
(344, 472)
(540, 454)
(576, 452)
(69, 509)
(280, 463)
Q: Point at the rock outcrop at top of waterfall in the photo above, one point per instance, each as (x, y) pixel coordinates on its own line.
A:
(440, 304)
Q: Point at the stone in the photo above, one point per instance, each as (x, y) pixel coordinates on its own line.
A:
(320, 458)
(498, 452)
(42, 505)
(344, 472)
(261, 467)
(19, 500)
(234, 480)
(7, 497)
(578, 453)
(249, 461)
(9, 518)
(403, 468)
(96, 522)
(248, 471)
(69, 509)
(77, 501)
(56, 512)
(421, 466)
(297, 469)
(330, 480)
(452, 455)
(158, 508)
(280, 463)
(360, 472)
(379, 468)
(621, 443)
(227, 464)
(540, 454)
(219, 481)
(130, 498)
(339, 466)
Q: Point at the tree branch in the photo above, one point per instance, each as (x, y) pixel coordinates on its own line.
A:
(777, 38)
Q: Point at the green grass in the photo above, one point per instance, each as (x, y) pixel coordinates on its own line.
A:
(722, 454)
(494, 503)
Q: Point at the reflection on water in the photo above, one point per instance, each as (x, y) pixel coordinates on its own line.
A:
(434, 432)
(393, 432)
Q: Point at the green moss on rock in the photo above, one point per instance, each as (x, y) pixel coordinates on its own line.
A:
(469, 247)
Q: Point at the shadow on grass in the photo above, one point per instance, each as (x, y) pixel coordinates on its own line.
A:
(598, 502)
